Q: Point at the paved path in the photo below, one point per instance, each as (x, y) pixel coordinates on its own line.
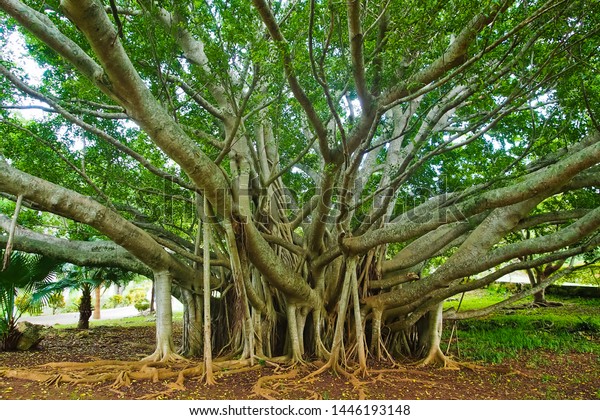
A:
(73, 317)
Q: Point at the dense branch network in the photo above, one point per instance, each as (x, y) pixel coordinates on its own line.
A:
(354, 196)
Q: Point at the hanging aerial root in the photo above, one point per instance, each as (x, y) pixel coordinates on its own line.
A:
(361, 370)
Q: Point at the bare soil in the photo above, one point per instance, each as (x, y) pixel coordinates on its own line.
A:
(534, 375)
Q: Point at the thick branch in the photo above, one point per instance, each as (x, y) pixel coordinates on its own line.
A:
(272, 26)
(82, 253)
(137, 99)
(454, 56)
(356, 53)
(75, 206)
(43, 28)
(545, 182)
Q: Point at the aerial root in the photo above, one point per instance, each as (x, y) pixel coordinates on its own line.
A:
(298, 361)
(438, 358)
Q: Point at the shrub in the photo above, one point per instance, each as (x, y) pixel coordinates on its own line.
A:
(24, 303)
(56, 301)
(73, 305)
(115, 302)
(142, 305)
(135, 295)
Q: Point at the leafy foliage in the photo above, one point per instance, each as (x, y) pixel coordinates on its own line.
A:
(372, 158)
(24, 275)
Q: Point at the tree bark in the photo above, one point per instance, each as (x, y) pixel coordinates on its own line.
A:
(164, 320)
(192, 344)
(97, 293)
(85, 307)
(208, 368)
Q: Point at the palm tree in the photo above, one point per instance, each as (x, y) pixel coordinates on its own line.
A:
(24, 274)
(86, 279)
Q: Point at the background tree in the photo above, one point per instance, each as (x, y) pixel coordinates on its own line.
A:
(86, 280)
(361, 161)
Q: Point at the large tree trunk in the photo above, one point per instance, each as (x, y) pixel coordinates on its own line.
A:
(430, 337)
(191, 345)
(539, 275)
(97, 302)
(539, 298)
(164, 320)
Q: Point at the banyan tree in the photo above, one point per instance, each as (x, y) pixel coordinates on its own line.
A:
(311, 179)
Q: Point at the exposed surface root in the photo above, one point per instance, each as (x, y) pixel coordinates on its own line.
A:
(168, 357)
(53, 380)
(356, 383)
(189, 372)
(436, 357)
(544, 304)
(260, 389)
(336, 368)
(122, 374)
(123, 379)
(329, 365)
(547, 304)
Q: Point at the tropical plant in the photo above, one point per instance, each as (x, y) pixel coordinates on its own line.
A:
(56, 301)
(85, 279)
(25, 274)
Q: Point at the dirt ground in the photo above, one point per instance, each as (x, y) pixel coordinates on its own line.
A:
(532, 376)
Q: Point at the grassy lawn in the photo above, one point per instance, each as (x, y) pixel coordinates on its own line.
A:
(574, 327)
(133, 321)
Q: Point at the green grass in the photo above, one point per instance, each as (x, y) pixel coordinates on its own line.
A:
(481, 298)
(134, 321)
(574, 327)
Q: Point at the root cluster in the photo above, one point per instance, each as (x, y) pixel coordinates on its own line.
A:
(119, 374)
